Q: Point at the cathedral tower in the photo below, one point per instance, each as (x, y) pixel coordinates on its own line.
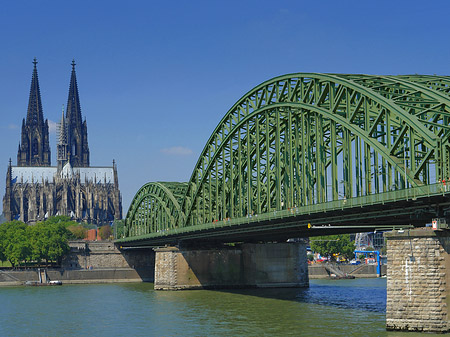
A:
(62, 146)
(72, 188)
(34, 149)
(78, 149)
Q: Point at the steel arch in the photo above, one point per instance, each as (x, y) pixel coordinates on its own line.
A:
(439, 83)
(155, 207)
(303, 139)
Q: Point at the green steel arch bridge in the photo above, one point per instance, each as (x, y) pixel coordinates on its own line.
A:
(310, 154)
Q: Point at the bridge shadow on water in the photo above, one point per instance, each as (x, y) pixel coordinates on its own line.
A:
(327, 308)
(357, 294)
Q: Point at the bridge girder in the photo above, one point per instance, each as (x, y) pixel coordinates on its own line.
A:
(304, 139)
(154, 208)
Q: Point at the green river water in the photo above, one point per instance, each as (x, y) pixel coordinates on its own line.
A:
(326, 308)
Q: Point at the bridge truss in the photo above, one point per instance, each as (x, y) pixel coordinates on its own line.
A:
(304, 140)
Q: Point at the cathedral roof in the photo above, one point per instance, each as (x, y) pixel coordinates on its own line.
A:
(98, 175)
(28, 174)
(67, 171)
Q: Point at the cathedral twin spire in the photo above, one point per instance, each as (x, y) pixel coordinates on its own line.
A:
(34, 149)
(77, 144)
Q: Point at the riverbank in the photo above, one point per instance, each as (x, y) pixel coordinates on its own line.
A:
(10, 277)
(91, 262)
(72, 276)
(318, 271)
(103, 262)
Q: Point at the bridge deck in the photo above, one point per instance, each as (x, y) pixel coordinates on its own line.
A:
(414, 206)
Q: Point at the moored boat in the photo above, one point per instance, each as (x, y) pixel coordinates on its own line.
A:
(39, 284)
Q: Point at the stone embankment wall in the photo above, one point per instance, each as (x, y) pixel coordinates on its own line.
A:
(318, 271)
(115, 275)
(250, 265)
(104, 254)
(93, 262)
(418, 280)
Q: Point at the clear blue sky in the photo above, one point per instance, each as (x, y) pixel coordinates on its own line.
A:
(156, 77)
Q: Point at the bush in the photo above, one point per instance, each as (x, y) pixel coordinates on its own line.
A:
(105, 232)
(78, 231)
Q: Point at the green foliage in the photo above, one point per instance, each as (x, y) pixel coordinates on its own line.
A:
(89, 226)
(105, 232)
(333, 245)
(46, 241)
(50, 241)
(78, 231)
(16, 246)
(2, 243)
(60, 219)
(119, 226)
(5, 264)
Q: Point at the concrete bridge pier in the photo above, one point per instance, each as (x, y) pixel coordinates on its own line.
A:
(418, 280)
(247, 265)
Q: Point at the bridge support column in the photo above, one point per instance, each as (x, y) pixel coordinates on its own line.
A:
(249, 265)
(418, 280)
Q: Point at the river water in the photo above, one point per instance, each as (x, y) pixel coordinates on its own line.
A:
(327, 308)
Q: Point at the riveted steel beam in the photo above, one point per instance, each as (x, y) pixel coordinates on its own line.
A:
(306, 139)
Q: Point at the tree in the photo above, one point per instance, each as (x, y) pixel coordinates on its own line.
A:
(50, 240)
(105, 232)
(78, 231)
(46, 240)
(15, 242)
(62, 220)
(2, 243)
(36, 242)
(333, 245)
(119, 228)
(57, 243)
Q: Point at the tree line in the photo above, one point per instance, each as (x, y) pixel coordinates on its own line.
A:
(45, 242)
(333, 245)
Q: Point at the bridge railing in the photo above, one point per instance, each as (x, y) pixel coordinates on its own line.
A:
(411, 193)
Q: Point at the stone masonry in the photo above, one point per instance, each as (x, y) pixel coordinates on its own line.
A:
(418, 280)
(105, 255)
(166, 268)
(93, 262)
(249, 265)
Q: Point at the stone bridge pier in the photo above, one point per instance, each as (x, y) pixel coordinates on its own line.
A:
(418, 280)
(247, 265)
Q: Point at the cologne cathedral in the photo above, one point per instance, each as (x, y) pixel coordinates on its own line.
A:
(36, 190)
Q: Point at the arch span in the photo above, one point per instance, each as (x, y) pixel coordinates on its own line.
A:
(303, 139)
(154, 208)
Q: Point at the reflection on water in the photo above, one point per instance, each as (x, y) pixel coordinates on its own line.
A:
(327, 308)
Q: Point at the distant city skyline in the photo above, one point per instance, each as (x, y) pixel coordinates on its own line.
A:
(156, 78)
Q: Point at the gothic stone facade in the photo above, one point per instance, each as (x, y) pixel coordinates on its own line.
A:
(35, 190)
